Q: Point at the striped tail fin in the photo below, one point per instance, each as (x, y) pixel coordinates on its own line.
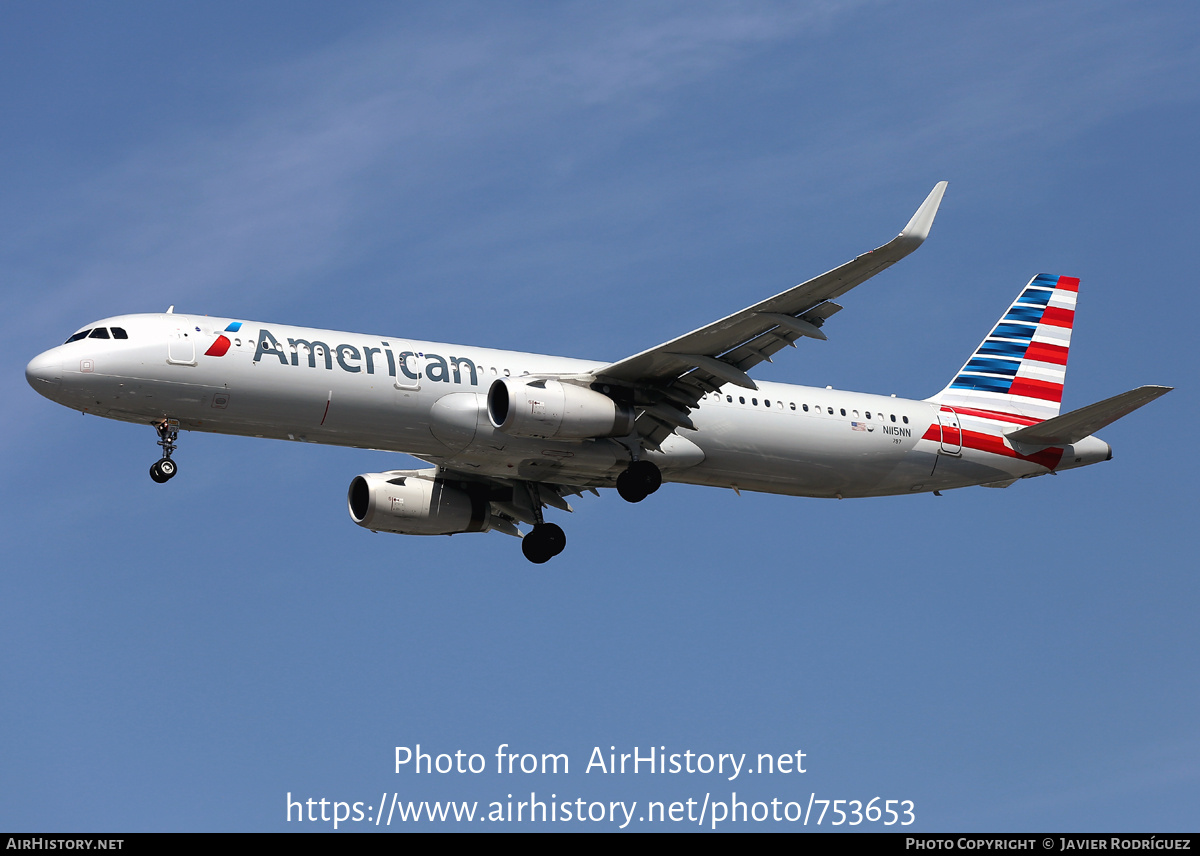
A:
(1021, 365)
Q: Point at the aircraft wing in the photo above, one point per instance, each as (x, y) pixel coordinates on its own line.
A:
(671, 378)
(514, 500)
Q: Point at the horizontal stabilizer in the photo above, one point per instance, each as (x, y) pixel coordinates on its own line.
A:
(1086, 421)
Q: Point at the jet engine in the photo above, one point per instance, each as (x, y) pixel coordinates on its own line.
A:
(413, 502)
(550, 409)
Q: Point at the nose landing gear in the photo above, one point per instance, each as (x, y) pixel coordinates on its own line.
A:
(164, 468)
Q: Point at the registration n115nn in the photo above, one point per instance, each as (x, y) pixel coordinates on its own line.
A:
(510, 435)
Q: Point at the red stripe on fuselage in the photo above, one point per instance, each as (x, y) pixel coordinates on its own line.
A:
(997, 415)
(1047, 458)
(994, 444)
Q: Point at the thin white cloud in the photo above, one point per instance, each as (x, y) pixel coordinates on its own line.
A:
(273, 196)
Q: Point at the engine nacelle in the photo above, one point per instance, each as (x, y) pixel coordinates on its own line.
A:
(561, 411)
(412, 502)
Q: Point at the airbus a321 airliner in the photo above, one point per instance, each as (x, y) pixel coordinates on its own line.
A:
(510, 434)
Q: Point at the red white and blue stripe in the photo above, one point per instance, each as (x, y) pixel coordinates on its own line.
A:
(1020, 367)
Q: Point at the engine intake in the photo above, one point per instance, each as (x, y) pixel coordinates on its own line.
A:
(413, 502)
(550, 409)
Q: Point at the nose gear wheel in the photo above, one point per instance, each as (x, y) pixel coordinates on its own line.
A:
(164, 469)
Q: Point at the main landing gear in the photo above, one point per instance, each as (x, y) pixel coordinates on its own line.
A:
(543, 543)
(164, 468)
(547, 540)
(638, 481)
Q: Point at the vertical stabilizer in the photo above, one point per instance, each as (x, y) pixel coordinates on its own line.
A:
(1021, 365)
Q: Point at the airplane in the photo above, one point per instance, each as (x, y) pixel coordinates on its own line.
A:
(510, 435)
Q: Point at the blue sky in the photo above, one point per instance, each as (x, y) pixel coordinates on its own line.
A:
(590, 180)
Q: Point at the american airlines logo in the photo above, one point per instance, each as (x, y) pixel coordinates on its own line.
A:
(354, 359)
(220, 347)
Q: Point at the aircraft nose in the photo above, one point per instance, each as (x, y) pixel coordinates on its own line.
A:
(44, 371)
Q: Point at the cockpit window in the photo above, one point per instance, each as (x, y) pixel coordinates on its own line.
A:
(98, 333)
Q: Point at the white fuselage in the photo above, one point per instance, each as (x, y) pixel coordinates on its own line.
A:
(428, 400)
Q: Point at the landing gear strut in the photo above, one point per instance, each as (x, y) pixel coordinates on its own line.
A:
(164, 468)
(638, 481)
(545, 542)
